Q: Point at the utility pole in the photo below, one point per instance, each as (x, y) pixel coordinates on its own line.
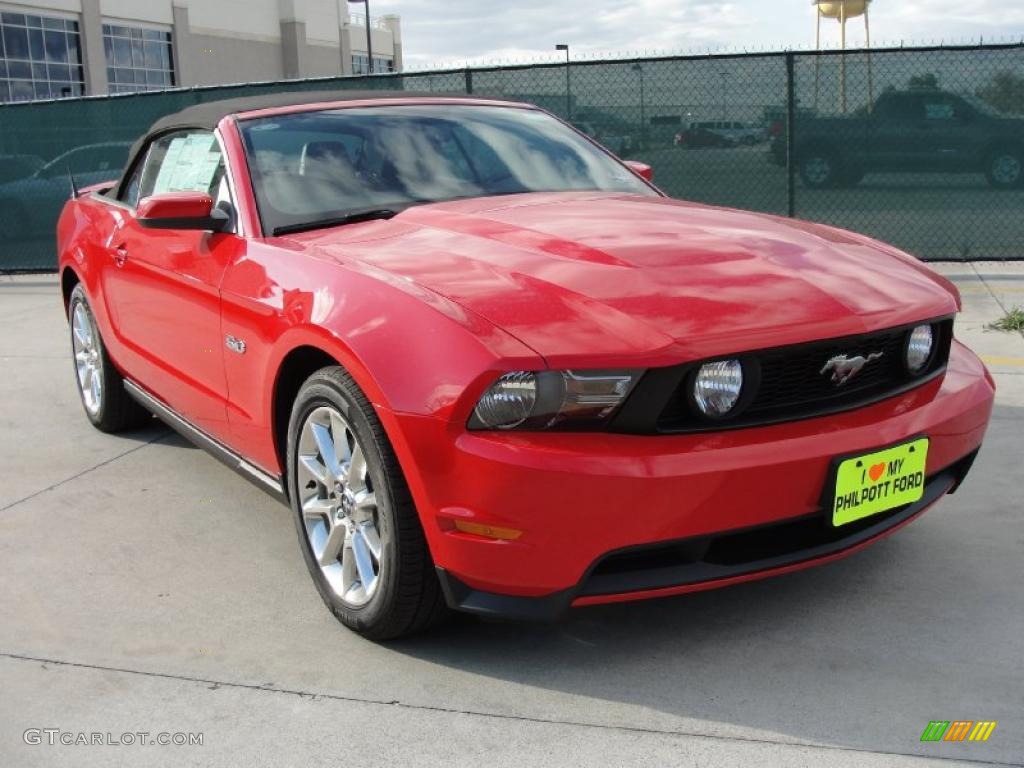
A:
(369, 37)
(639, 69)
(725, 93)
(568, 80)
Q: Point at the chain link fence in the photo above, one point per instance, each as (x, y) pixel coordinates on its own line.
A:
(920, 147)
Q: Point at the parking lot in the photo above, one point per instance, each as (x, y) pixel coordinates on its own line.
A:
(949, 216)
(148, 588)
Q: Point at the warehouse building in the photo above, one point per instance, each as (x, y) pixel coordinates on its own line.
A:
(62, 48)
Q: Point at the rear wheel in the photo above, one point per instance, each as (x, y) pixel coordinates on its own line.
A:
(1005, 168)
(357, 525)
(100, 385)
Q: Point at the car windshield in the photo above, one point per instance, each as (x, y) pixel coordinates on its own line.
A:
(312, 169)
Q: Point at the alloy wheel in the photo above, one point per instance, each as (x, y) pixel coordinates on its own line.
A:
(817, 170)
(1006, 169)
(340, 508)
(88, 360)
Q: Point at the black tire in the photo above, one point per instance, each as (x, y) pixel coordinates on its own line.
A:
(820, 168)
(408, 598)
(1004, 168)
(115, 410)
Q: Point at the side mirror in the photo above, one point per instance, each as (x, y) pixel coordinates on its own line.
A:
(181, 210)
(643, 170)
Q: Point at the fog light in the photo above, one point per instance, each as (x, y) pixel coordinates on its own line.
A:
(716, 390)
(919, 348)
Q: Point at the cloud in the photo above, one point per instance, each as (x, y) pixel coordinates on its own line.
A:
(484, 31)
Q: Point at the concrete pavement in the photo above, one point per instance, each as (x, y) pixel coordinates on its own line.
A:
(148, 588)
(988, 290)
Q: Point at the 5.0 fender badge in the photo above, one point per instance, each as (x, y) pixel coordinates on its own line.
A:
(234, 344)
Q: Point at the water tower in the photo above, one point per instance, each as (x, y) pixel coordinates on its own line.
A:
(843, 11)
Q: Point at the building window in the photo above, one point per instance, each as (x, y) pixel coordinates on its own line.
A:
(40, 58)
(138, 59)
(381, 64)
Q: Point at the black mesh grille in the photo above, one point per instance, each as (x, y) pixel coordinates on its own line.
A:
(793, 378)
(788, 382)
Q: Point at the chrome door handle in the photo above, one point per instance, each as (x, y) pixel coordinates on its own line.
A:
(120, 255)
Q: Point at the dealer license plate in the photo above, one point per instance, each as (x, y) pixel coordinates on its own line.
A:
(875, 482)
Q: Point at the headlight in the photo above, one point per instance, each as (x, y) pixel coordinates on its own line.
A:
(717, 387)
(509, 401)
(545, 399)
(919, 348)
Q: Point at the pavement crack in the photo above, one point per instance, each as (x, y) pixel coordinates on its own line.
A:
(214, 685)
(93, 468)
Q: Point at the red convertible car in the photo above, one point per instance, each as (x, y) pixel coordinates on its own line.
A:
(490, 367)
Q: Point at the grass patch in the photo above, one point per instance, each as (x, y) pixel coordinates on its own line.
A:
(1013, 320)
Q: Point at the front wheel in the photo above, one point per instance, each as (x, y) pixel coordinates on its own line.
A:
(100, 385)
(819, 169)
(357, 525)
(1005, 168)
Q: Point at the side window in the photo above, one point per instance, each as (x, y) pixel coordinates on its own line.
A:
(185, 161)
(130, 193)
(939, 108)
(902, 107)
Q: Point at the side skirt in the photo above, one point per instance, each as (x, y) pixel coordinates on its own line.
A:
(271, 484)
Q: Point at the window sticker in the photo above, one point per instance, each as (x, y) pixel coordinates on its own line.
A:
(188, 165)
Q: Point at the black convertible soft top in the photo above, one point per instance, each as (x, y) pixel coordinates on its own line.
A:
(208, 114)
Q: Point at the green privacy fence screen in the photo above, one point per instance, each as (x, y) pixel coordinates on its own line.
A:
(921, 147)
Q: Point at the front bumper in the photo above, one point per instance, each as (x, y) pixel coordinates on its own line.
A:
(704, 562)
(608, 517)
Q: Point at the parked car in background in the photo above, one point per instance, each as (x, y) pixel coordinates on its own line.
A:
(34, 201)
(721, 133)
(490, 366)
(919, 130)
(18, 166)
(745, 134)
(617, 144)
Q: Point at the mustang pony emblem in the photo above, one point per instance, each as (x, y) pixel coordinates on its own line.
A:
(845, 368)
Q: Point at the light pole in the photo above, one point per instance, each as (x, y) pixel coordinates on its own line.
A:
(725, 92)
(369, 40)
(568, 81)
(639, 69)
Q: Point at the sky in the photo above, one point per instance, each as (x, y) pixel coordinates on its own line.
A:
(456, 32)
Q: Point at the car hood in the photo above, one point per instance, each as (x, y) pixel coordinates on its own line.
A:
(593, 279)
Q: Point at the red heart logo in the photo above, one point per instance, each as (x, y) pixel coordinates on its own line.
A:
(877, 471)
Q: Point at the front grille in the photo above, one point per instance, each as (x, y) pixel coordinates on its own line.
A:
(787, 383)
(791, 379)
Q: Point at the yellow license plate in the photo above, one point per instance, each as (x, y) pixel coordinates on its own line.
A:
(879, 481)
